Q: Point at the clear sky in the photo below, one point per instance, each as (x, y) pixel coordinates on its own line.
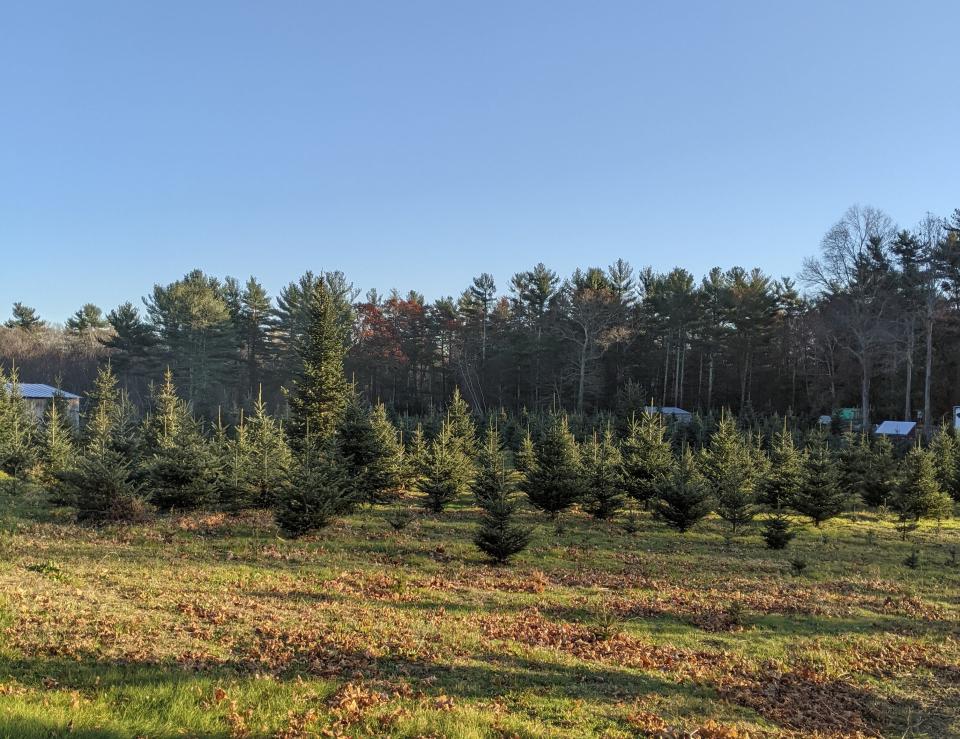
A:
(416, 144)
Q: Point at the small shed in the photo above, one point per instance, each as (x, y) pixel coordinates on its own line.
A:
(897, 429)
(670, 411)
(37, 396)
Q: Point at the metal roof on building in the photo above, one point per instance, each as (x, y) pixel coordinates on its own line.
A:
(667, 410)
(896, 428)
(37, 390)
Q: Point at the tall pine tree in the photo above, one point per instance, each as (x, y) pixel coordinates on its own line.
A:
(647, 457)
(555, 483)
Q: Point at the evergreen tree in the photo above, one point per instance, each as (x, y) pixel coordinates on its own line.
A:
(318, 490)
(727, 466)
(492, 476)
(946, 457)
(919, 494)
(602, 476)
(57, 439)
(463, 433)
(86, 320)
(683, 498)
(498, 536)
(25, 318)
(777, 531)
(526, 456)
(235, 466)
(820, 496)
(443, 477)
(880, 478)
(372, 455)
(320, 393)
(647, 457)
(417, 456)
(18, 429)
(856, 459)
(102, 487)
(270, 456)
(182, 470)
(782, 481)
(554, 483)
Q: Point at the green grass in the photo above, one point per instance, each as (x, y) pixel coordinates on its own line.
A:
(210, 625)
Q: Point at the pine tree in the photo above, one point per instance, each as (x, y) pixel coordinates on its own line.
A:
(727, 465)
(919, 494)
(777, 531)
(443, 477)
(18, 429)
(820, 496)
(167, 417)
(25, 318)
(946, 458)
(498, 536)
(554, 483)
(647, 457)
(602, 476)
(389, 472)
(880, 478)
(318, 490)
(683, 497)
(320, 393)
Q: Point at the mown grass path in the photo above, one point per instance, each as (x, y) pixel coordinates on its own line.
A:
(209, 625)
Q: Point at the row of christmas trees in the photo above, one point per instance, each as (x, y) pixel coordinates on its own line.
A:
(118, 464)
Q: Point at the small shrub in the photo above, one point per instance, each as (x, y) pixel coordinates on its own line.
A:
(798, 565)
(400, 518)
(777, 533)
(913, 560)
(631, 523)
(607, 622)
(735, 614)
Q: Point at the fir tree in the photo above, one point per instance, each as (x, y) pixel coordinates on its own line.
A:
(820, 496)
(919, 494)
(946, 459)
(463, 433)
(683, 497)
(880, 478)
(492, 474)
(57, 440)
(554, 483)
(602, 476)
(780, 484)
(373, 456)
(498, 536)
(416, 458)
(18, 429)
(320, 393)
(102, 487)
(182, 470)
(856, 459)
(727, 466)
(270, 456)
(443, 477)
(777, 532)
(526, 456)
(647, 457)
(235, 466)
(318, 490)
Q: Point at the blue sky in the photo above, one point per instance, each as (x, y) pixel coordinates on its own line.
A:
(416, 144)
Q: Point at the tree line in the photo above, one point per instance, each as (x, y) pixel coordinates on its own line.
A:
(873, 323)
(334, 451)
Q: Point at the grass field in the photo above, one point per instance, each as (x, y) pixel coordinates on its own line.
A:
(208, 625)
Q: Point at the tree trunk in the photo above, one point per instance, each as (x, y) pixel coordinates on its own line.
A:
(928, 372)
(865, 397)
(908, 384)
